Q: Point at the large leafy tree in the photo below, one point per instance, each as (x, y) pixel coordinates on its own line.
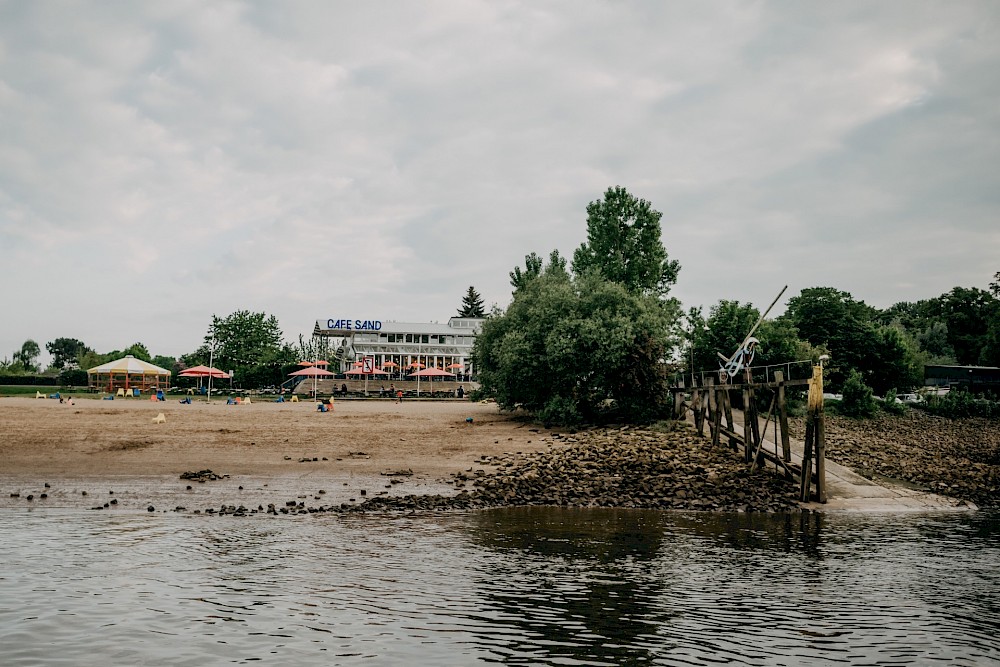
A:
(568, 344)
(850, 330)
(472, 304)
(534, 267)
(66, 352)
(968, 313)
(248, 343)
(623, 244)
(26, 356)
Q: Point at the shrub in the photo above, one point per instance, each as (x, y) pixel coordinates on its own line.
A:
(891, 405)
(73, 378)
(957, 404)
(559, 411)
(857, 398)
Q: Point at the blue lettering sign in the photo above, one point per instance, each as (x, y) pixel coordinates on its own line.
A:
(354, 325)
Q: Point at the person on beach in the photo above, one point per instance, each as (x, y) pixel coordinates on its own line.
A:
(399, 396)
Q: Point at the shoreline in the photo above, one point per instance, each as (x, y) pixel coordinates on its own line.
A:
(381, 454)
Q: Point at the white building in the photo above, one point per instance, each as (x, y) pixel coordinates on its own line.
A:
(398, 345)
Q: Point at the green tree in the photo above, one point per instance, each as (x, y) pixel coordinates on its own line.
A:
(27, 355)
(472, 304)
(832, 319)
(995, 285)
(249, 344)
(857, 398)
(66, 352)
(566, 345)
(968, 313)
(728, 324)
(623, 244)
(534, 267)
(139, 351)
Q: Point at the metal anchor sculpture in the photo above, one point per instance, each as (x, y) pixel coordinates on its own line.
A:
(743, 356)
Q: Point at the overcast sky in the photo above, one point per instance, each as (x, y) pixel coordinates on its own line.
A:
(161, 162)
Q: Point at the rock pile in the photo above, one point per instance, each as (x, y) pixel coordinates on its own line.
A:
(202, 476)
(959, 458)
(614, 467)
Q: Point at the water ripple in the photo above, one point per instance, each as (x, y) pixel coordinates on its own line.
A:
(521, 587)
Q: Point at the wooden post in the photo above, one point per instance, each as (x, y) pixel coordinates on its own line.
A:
(820, 437)
(814, 426)
(806, 480)
(706, 398)
(716, 411)
(699, 421)
(786, 447)
(748, 418)
(727, 406)
(754, 424)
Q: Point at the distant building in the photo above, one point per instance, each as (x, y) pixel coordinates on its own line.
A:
(398, 345)
(971, 378)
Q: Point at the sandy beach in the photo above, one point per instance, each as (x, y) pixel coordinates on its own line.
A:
(276, 450)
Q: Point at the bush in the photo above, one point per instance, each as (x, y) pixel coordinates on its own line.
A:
(73, 378)
(559, 411)
(857, 398)
(958, 404)
(891, 405)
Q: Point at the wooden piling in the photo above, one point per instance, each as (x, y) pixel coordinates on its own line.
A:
(786, 447)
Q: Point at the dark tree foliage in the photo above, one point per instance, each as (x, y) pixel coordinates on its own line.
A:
(857, 397)
(533, 267)
(623, 244)
(850, 330)
(728, 324)
(249, 344)
(66, 351)
(26, 356)
(578, 349)
(472, 304)
(968, 313)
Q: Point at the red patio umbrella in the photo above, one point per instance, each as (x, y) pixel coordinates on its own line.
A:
(432, 373)
(202, 372)
(358, 371)
(313, 372)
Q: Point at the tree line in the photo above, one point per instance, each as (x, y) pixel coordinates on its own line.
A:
(248, 343)
(598, 338)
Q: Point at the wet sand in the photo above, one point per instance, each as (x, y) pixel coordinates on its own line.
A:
(276, 450)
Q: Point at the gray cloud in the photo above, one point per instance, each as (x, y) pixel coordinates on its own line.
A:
(187, 159)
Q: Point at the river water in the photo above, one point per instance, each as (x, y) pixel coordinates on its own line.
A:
(530, 586)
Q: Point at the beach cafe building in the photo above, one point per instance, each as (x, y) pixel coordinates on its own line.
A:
(397, 346)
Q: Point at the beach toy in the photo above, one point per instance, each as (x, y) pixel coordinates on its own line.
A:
(468, 420)
(160, 419)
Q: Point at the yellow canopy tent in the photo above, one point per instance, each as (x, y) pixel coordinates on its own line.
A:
(128, 372)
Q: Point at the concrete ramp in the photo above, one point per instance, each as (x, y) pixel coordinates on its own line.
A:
(848, 491)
